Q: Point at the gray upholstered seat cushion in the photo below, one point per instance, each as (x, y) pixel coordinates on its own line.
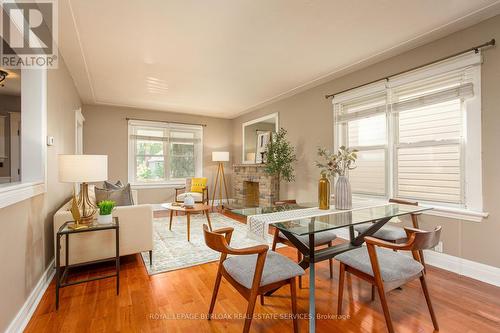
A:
(387, 232)
(394, 266)
(276, 268)
(320, 238)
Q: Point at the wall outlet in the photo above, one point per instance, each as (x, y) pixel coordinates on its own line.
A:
(439, 247)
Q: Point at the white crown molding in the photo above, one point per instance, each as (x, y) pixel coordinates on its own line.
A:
(21, 320)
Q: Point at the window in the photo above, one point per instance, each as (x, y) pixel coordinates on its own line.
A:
(164, 153)
(418, 134)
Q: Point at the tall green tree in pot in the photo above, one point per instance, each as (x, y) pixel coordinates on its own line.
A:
(280, 157)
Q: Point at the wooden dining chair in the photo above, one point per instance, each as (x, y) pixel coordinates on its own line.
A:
(386, 269)
(324, 238)
(392, 233)
(252, 271)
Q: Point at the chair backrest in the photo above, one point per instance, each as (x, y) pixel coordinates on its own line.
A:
(216, 241)
(423, 240)
(403, 202)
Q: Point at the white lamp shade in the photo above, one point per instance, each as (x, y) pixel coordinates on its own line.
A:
(220, 156)
(83, 168)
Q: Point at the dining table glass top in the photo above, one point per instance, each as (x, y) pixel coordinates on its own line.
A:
(342, 219)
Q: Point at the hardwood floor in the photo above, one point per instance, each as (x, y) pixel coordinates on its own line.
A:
(176, 301)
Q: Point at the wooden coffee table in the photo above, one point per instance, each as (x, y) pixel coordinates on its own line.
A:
(197, 208)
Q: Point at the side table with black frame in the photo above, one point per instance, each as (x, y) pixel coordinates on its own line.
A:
(65, 230)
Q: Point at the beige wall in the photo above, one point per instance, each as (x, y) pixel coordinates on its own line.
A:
(105, 132)
(309, 120)
(8, 103)
(26, 237)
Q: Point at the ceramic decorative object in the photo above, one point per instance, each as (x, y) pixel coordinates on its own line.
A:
(188, 201)
(324, 192)
(105, 219)
(343, 195)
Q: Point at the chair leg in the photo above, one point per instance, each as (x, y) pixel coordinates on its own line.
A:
(421, 253)
(340, 294)
(429, 304)
(214, 294)
(385, 308)
(249, 315)
(275, 239)
(293, 296)
(330, 261)
(299, 258)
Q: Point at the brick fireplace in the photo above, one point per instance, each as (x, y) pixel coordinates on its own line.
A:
(252, 185)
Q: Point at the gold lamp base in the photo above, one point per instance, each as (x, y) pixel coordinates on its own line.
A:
(82, 209)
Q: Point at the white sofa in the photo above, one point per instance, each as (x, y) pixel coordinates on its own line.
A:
(136, 233)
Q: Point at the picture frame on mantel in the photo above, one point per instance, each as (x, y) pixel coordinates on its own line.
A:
(263, 138)
(250, 133)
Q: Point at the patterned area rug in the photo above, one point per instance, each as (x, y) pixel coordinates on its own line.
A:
(172, 250)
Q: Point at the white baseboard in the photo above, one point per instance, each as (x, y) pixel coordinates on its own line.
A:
(18, 324)
(460, 266)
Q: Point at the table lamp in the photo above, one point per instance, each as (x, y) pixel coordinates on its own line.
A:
(83, 169)
(221, 157)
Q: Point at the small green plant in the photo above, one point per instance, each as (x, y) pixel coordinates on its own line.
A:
(106, 207)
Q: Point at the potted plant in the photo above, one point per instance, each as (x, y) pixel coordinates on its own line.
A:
(280, 156)
(338, 164)
(105, 210)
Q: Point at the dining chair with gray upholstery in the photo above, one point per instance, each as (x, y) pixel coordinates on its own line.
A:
(252, 271)
(386, 269)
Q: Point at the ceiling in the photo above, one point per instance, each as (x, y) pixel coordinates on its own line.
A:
(223, 58)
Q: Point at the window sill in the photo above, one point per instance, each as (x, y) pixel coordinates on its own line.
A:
(153, 186)
(448, 212)
(14, 193)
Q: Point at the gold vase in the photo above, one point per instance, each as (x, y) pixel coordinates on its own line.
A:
(324, 192)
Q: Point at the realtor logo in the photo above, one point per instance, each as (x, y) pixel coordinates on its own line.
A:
(29, 31)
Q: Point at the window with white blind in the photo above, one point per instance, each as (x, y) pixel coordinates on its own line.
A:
(418, 134)
(164, 153)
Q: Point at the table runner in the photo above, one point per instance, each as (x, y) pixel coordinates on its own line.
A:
(258, 225)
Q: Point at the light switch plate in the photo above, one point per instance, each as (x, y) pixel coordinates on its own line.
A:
(50, 141)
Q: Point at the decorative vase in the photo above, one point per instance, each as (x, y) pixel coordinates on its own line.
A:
(343, 195)
(188, 201)
(105, 219)
(324, 192)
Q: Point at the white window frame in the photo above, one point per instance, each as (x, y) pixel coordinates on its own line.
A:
(472, 210)
(33, 140)
(166, 147)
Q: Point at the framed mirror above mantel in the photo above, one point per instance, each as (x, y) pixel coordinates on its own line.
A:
(255, 135)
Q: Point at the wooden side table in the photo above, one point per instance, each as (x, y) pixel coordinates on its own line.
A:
(197, 208)
(65, 230)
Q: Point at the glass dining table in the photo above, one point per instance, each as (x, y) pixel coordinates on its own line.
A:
(378, 216)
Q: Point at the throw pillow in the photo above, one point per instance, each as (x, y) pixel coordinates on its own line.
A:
(121, 196)
(198, 184)
(111, 186)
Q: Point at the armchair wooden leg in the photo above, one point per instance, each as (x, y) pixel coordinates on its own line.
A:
(340, 294)
(293, 296)
(429, 304)
(385, 308)
(330, 262)
(171, 217)
(299, 259)
(214, 294)
(250, 308)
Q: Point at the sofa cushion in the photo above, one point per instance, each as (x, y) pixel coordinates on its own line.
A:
(110, 186)
(198, 184)
(394, 266)
(276, 268)
(121, 196)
